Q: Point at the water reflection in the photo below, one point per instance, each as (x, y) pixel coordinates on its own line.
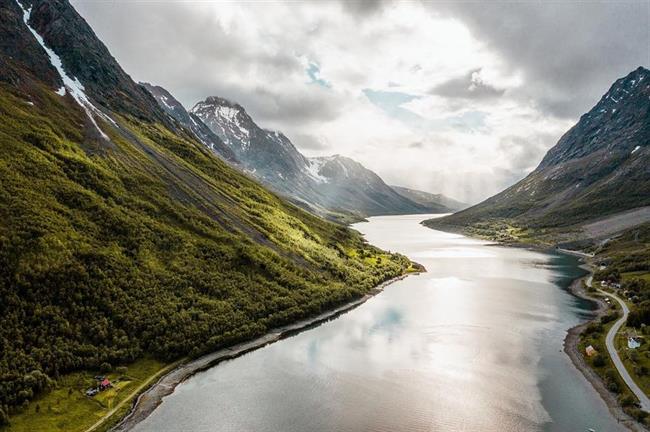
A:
(473, 344)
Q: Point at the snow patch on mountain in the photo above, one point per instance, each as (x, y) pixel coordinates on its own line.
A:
(312, 169)
(226, 122)
(71, 84)
(226, 112)
(344, 168)
(163, 98)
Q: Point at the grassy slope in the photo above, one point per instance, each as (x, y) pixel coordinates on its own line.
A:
(630, 252)
(66, 408)
(147, 245)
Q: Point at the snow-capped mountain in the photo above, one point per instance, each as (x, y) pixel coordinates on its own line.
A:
(269, 155)
(190, 121)
(326, 184)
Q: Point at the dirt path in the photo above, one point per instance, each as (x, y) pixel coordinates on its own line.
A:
(576, 253)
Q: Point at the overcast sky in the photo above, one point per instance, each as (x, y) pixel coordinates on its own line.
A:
(462, 98)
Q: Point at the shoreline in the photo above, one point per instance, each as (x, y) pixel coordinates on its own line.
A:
(153, 396)
(572, 339)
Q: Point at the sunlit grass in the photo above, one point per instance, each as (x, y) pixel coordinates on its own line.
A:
(68, 409)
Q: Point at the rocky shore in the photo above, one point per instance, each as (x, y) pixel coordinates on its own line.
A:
(571, 342)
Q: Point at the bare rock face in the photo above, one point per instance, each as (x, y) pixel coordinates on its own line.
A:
(617, 122)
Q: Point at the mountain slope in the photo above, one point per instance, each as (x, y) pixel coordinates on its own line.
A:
(348, 185)
(190, 121)
(324, 185)
(121, 235)
(438, 203)
(598, 169)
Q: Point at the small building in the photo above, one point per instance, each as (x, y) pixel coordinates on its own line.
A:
(633, 343)
(591, 351)
(105, 384)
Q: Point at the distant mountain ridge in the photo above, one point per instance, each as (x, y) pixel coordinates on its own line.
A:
(600, 168)
(324, 184)
(335, 187)
(438, 203)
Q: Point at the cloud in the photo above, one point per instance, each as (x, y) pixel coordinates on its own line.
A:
(310, 142)
(443, 96)
(568, 52)
(363, 8)
(469, 86)
(524, 153)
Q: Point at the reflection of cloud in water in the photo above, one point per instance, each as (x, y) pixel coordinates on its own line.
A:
(452, 252)
(388, 322)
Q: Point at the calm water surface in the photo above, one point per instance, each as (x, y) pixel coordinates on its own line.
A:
(474, 344)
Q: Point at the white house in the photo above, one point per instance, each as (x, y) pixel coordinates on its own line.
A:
(633, 343)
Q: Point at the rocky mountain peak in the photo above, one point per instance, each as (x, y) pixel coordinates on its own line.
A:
(228, 120)
(167, 102)
(618, 120)
(635, 84)
(190, 122)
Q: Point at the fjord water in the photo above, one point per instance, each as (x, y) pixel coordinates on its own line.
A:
(474, 344)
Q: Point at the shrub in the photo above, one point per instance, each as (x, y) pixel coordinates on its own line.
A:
(598, 361)
(613, 387)
(627, 400)
(609, 317)
(594, 328)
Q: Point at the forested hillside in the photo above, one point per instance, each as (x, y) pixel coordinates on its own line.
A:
(122, 235)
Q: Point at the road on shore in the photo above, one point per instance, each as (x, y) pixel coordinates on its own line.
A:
(611, 347)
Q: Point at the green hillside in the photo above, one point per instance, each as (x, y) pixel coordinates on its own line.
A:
(143, 244)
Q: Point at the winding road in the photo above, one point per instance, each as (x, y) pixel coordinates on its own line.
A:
(611, 347)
